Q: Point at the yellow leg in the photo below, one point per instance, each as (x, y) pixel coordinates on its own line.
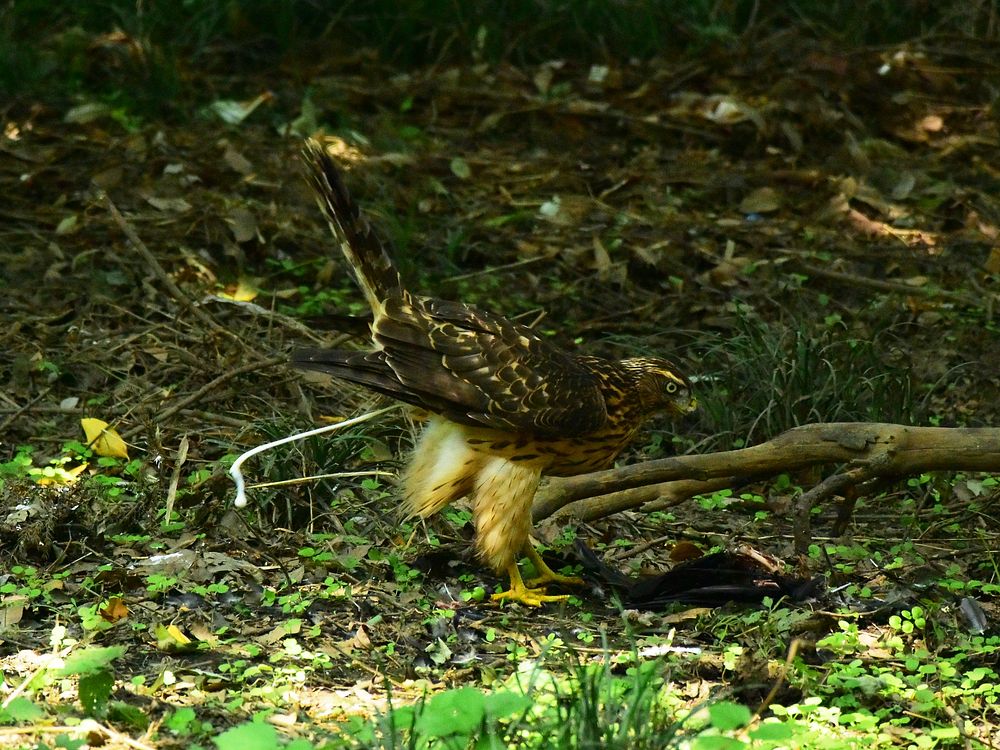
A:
(518, 592)
(545, 573)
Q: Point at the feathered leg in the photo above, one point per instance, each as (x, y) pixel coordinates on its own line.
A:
(441, 469)
(501, 508)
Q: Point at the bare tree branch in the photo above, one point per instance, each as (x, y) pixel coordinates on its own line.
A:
(870, 449)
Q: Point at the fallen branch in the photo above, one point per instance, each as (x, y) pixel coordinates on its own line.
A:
(870, 450)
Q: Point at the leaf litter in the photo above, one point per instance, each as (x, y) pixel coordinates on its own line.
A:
(682, 195)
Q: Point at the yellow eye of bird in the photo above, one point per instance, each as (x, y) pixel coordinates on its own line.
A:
(671, 387)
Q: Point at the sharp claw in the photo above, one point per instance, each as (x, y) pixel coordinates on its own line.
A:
(562, 580)
(531, 597)
(528, 595)
(545, 573)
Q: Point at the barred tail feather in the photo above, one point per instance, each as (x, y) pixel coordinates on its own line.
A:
(373, 268)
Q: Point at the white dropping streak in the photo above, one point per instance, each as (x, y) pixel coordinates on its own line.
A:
(237, 475)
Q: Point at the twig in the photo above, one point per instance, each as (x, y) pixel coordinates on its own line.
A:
(889, 286)
(831, 485)
(9, 420)
(175, 478)
(793, 649)
(164, 277)
(317, 477)
(638, 549)
(211, 385)
(272, 315)
(87, 726)
(494, 269)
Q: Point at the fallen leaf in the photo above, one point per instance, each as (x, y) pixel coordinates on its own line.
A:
(177, 205)
(237, 162)
(67, 476)
(233, 112)
(865, 226)
(460, 168)
(550, 209)
(203, 634)
(543, 79)
(11, 610)
(108, 178)
(602, 260)
(244, 291)
(307, 122)
(761, 201)
(597, 74)
(114, 610)
(904, 186)
(932, 123)
(171, 638)
(67, 225)
(992, 264)
(687, 615)
(85, 113)
(243, 223)
(684, 550)
(104, 440)
(566, 210)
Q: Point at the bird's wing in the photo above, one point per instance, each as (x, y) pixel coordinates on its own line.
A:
(471, 366)
(488, 370)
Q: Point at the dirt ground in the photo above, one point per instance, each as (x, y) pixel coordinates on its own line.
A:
(666, 208)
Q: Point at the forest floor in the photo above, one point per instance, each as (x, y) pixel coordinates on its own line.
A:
(814, 234)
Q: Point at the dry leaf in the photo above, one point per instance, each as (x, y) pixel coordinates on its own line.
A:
(108, 178)
(68, 476)
(243, 223)
(543, 79)
(104, 440)
(12, 610)
(460, 168)
(244, 291)
(602, 260)
(761, 201)
(237, 161)
(233, 112)
(932, 123)
(85, 113)
(992, 264)
(684, 550)
(67, 225)
(171, 638)
(687, 615)
(114, 610)
(177, 205)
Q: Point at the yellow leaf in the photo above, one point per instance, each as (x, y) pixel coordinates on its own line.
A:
(171, 638)
(104, 440)
(64, 476)
(244, 292)
(114, 610)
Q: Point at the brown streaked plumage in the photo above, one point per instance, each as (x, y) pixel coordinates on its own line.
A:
(508, 406)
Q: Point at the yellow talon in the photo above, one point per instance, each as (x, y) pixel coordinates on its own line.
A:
(545, 573)
(519, 592)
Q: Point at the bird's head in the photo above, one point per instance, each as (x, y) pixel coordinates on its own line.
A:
(661, 386)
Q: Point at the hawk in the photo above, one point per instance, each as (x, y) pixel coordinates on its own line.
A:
(507, 406)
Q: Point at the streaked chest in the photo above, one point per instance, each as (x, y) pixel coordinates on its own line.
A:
(560, 457)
